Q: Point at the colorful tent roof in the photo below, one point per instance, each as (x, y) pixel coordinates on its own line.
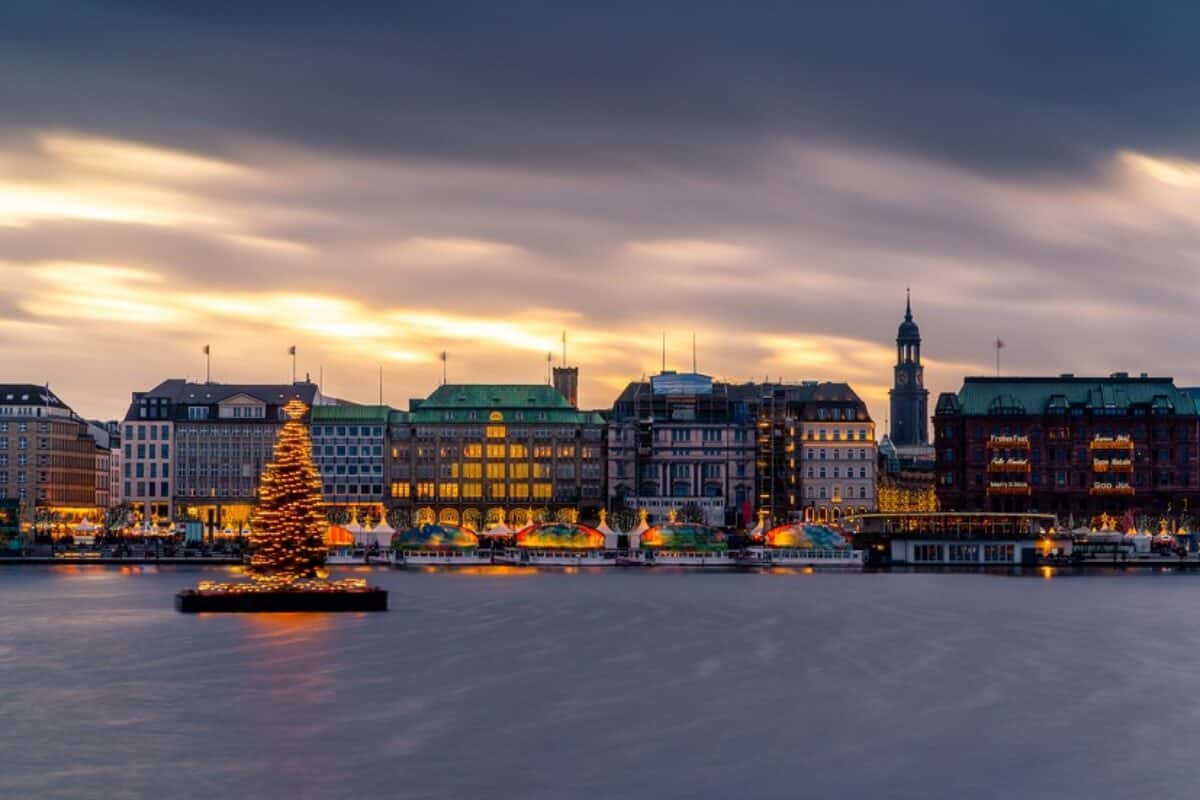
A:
(561, 536)
(683, 536)
(807, 537)
(337, 536)
(435, 537)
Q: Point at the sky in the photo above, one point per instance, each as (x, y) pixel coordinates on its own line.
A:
(377, 183)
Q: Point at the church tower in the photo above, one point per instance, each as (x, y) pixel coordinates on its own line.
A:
(909, 397)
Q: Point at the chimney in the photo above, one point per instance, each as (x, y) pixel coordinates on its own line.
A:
(566, 381)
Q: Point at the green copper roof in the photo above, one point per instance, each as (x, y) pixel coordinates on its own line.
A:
(480, 403)
(349, 413)
(1035, 396)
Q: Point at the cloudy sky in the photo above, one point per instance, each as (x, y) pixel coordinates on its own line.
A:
(377, 184)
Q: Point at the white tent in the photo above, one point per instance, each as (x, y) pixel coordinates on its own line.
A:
(356, 530)
(85, 527)
(499, 530)
(635, 535)
(383, 534)
(610, 536)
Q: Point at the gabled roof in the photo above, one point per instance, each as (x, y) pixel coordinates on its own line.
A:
(350, 413)
(24, 394)
(180, 392)
(980, 396)
(458, 402)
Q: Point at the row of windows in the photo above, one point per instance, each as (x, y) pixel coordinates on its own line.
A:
(851, 454)
(349, 450)
(497, 451)
(347, 430)
(819, 493)
(820, 473)
(143, 432)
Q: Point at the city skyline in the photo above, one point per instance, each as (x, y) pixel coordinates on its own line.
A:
(405, 199)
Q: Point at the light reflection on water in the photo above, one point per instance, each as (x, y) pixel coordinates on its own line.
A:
(605, 683)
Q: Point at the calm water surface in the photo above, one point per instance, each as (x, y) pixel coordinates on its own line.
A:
(614, 685)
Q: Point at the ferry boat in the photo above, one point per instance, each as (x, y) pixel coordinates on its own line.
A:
(796, 557)
(558, 544)
(346, 555)
(801, 545)
(438, 545)
(678, 558)
(681, 544)
(555, 558)
(441, 558)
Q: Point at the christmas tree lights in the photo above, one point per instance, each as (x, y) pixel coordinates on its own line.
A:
(286, 543)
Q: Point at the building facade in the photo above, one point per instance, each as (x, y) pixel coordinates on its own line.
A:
(196, 450)
(481, 454)
(683, 440)
(909, 399)
(1068, 445)
(816, 456)
(350, 444)
(48, 459)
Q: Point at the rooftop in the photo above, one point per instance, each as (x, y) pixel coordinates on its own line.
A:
(982, 396)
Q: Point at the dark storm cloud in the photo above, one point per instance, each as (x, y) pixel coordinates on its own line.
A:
(998, 87)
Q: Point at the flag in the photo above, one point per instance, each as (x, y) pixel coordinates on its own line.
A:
(999, 344)
(292, 350)
(443, 356)
(205, 349)
(1127, 520)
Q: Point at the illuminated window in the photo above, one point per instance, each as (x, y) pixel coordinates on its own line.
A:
(495, 451)
(472, 490)
(566, 451)
(519, 471)
(541, 470)
(519, 490)
(496, 431)
(453, 470)
(495, 471)
(425, 489)
(448, 491)
(400, 489)
(541, 491)
(495, 416)
(472, 470)
(518, 451)
(496, 490)
(543, 451)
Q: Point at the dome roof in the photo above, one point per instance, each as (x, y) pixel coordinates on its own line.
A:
(561, 536)
(808, 537)
(908, 329)
(683, 536)
(435, 537)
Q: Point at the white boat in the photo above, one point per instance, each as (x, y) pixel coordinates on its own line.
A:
(797, 557)
(555, 558)
(709, 559)
(441, 558)
(346, 555)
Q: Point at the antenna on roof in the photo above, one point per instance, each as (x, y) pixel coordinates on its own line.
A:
(381, 384)
(549, 361)
(664, 351)
(693, 352)
(564, 340)
(445, 357)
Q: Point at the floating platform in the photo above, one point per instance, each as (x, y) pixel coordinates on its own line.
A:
(194, 601)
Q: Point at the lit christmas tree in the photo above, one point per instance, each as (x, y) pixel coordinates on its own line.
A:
(286, 543)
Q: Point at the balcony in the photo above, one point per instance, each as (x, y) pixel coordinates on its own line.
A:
(1112, 443)
(1009, 488)
(1009, 465)
(998, 442)
(1111, 489)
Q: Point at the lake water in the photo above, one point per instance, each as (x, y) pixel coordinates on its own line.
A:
(616, 685)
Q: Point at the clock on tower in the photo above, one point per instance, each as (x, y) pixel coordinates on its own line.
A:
(909, 397)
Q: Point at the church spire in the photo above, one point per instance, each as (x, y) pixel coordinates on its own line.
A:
(907, 304)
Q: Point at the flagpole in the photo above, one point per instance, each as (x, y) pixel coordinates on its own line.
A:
(292, 350)
(207, 364)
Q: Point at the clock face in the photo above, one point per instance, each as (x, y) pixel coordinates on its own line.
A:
(902, 378)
